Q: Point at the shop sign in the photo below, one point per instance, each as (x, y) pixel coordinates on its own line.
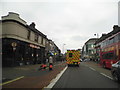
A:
(34, 46)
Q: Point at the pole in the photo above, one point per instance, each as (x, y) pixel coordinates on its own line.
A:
(96, 35)
(63, 48)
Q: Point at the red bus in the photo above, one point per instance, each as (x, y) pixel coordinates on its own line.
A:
(110, 50)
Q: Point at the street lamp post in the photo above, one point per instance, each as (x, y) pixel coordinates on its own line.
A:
(14, 44)
(96, 35)
(63, 48)
(95, 51)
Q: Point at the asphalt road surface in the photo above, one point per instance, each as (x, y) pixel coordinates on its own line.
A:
(84, 77)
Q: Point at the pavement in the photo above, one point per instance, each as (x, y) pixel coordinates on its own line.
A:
(29, 76)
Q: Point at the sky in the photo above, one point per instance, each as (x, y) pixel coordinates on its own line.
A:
(69, 23)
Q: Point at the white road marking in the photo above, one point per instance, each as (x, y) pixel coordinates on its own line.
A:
(53, 82)
(107, 76)
(92, 68)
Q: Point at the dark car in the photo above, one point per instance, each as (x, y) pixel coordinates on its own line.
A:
(116, 71)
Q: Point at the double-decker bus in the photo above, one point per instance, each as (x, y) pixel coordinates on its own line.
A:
(110, 50)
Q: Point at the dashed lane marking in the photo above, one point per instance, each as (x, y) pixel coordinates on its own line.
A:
(11, 80)
(92, 68)
(101, 73)
(107, 76)
(53, 82)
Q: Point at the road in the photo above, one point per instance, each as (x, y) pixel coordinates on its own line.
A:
(85, 77)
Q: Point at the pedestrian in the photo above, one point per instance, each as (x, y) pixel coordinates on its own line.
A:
(50, 62)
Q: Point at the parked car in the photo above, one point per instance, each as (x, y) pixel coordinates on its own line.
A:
(85, 60)
(115, 70)
(80, 60)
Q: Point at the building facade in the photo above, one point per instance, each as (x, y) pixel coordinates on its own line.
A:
(109, 42)
(21, 43)
(54, 50)
(88, 50)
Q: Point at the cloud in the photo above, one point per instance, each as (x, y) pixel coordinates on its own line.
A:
(78, 38)
(60, 1)
(67, 21)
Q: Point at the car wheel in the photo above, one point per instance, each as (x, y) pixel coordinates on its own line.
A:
(115, 76)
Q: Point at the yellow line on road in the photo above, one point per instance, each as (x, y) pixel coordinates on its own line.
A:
(12, 80)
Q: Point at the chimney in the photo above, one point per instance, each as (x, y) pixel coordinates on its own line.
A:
(103, 34)
(115, 27)
(32, 25)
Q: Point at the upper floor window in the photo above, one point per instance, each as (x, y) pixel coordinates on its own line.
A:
(111, 40)
(42, 40)
(28, 35)
(119, 37)
(36, 37)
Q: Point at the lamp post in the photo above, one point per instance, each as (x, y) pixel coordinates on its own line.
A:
(14, 44)
(63, 48)
(95, 49)
(96, 35)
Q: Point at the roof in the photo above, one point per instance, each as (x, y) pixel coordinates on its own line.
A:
(14, 17)
(116, 29)
(91, 39)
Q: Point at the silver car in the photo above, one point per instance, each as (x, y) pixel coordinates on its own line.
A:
(116, 71)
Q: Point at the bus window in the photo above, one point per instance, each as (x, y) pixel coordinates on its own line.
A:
(109, 55)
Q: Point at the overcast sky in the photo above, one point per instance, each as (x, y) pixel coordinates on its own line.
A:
(70, 22)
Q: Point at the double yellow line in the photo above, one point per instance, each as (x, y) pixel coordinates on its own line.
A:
(11, 80)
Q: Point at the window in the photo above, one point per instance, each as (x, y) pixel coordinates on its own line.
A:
(70, 54)
(107, 42)
(111, 40)
(28, 35)
(41, 40)
(92, 46)
(119, 37)
(36, 37)
(109, 55)
(116, 38)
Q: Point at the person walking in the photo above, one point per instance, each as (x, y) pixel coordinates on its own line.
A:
(50, 62)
